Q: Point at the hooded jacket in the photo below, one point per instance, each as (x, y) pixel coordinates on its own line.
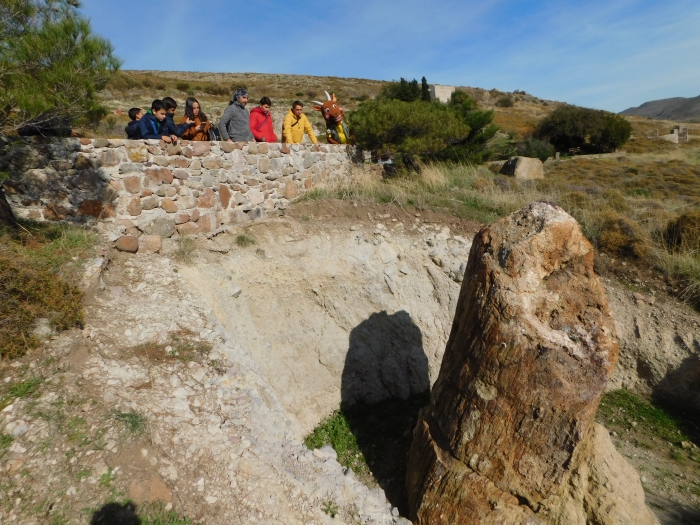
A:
(293, 129)
(132, 130)
(152, 128)
(261, 125)
(235, 123)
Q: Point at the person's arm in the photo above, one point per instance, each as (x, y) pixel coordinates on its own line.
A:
(223, 123)
(287, 129)
(190, 132)
(309, 130)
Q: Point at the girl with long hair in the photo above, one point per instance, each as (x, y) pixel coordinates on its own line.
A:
(200, 129)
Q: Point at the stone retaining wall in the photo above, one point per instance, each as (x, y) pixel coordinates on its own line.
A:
(149, 187)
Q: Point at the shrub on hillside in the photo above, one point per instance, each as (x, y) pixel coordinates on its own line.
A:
(505, 102)
(622, 236)
(592, 130)
(420, 130)
(535, 148)
(683, 233)
(31, 286)
(182, 86)
(217, 91)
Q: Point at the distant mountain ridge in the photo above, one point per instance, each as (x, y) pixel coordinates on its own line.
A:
(677, 108)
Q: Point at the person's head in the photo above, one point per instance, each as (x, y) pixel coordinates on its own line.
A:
(192, 109)
(265, 104)
(170, 105)
(297, 107)
(241, 95)
(135, 113)
(158, 109)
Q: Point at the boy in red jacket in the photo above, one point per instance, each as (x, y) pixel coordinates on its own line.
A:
(261, 122)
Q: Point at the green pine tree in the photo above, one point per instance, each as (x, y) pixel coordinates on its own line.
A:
(424, 90)
(51, 64)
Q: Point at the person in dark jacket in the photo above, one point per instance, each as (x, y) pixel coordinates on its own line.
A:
(132, 128)
(153, 125)
(170, 108)
(234, 125)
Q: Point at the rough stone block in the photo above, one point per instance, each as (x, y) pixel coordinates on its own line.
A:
(264, 165)
(181, 217)
(200, 149)
(211, 163)
(160, 175)
(252, 149)
(179, 162)
(134, 207)
(127, 243)
(150, 243)
(207, 222)
(238, 216)
(256, 213)
(523, 168)
(224, 196)
(100, 143)
(188, 228)
(157, 225)
(181, 174)
(168, 205)
(227, 147)
(186, 202)
(149, 203)
(207, 199)
(290, 190)
(174, 149)
(139, 154)
(109, 157)
(132, 184)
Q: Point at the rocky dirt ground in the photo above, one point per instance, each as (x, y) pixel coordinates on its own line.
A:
(195, 384)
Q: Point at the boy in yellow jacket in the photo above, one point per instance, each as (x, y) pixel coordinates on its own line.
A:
(295, 124)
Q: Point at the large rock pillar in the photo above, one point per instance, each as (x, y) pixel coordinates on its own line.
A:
(531, 348)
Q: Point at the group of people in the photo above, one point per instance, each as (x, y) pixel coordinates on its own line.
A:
(236, 124)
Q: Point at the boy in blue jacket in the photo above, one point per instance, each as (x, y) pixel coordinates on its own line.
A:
(170, 107)
(154, 125)
(132, 128)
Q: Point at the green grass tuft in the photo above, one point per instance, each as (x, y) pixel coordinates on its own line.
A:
(185, 250)
(134, 422)
(25, 388)
(244, 240)
(623, 408)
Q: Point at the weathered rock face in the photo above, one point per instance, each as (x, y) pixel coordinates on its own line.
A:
(523, 168)
(531, 348)
(603, 487)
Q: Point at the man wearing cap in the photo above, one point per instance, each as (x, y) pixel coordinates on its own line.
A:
(234, 125)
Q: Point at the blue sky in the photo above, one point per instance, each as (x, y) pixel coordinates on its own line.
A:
(610, 54)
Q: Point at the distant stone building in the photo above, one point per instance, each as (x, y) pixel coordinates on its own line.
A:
(678, 135)
(441, 93)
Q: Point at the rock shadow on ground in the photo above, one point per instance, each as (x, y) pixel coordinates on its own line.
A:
(384, 385)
